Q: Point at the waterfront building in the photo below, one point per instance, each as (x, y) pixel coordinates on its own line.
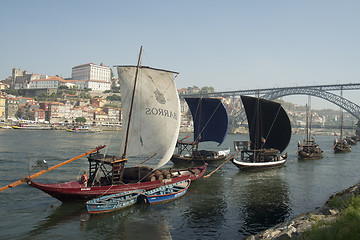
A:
(2, 108)
(11, 107)
(37, 115)
(114, 114)
(100, 116)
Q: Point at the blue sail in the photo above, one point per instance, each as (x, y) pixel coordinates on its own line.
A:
(211, 121)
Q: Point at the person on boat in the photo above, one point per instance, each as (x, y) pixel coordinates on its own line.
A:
(84, 178)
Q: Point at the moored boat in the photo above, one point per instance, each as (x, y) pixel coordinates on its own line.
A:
(270, 134)
(81, 129)
(31, 127)
(211, 122)
(151, 127)
(309, 149)
(165, 193)
(114, 202)
(341, 145)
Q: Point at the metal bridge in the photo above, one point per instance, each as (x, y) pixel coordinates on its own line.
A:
(321, 91)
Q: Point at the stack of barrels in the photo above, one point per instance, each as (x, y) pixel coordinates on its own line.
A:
(145, 174)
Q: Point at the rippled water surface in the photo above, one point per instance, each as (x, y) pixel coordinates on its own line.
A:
(230, 204)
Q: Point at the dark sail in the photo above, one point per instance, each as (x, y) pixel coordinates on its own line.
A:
(269, 125)
(210, 118)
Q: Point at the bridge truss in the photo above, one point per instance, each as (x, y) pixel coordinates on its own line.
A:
(321, 91)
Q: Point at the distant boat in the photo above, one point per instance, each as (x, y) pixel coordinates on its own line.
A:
(111, 203)
(165, 193)
(211, 123)
(309, 149)
(270, 134)
(151, 126)
(351, 140)
(341, 145)
(30, 127)
(81, 129)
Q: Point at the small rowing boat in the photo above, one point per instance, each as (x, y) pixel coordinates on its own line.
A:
(165, 193)
(113, 202)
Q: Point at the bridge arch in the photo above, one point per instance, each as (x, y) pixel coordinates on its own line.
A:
(345, 104)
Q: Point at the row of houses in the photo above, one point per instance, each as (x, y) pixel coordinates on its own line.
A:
(14, 108)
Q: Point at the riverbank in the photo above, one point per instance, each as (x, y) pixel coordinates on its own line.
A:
(303, 224)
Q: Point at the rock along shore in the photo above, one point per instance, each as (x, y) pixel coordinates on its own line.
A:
(304, 222)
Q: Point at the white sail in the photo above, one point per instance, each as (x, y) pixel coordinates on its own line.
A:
(155, 119)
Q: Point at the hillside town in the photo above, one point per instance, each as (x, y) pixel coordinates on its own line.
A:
(92, 96)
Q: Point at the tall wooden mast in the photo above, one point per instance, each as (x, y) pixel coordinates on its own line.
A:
(131, 106)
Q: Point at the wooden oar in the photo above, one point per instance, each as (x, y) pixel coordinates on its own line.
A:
(146, 159)
(295, 155)
(26, 179)
(183, 138)
(222, 164)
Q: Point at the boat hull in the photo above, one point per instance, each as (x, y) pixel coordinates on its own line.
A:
(164, 193)
(76, 191)
(310, 156)
(111, 203)
(342, 147)
(259, 165)
(178, 159)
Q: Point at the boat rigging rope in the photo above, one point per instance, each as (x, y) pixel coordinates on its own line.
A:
(272, 124)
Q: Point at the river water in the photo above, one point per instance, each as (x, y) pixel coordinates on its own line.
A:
(228, 205)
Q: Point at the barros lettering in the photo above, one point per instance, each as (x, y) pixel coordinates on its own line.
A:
(160, 112)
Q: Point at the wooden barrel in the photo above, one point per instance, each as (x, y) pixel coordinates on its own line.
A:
(159, 175)
(134, 173)
(151, 178)
(166, 174)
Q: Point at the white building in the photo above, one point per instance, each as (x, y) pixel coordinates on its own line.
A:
(91, 71)
(94, 85)
(48, 82)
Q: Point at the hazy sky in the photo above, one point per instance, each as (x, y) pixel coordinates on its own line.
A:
(230, 45)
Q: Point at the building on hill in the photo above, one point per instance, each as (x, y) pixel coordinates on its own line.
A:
(49, 82)
(98, 102)
(21, 80)
(91, 71)
(96, 85)
(92, 76)
(3, 85)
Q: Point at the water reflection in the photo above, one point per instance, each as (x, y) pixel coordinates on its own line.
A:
(206, 206)
(65, 213)
(265, 200)
(136, 222)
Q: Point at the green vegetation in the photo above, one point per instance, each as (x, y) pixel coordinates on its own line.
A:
(347, 225)
(80, 120)
(113, 97)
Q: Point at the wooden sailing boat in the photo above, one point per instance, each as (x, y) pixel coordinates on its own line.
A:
(151, 126)
(211, 123)
(340, 144)
(270, 134)
(309, 149)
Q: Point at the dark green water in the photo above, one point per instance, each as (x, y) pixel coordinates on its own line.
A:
(229, 205)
